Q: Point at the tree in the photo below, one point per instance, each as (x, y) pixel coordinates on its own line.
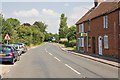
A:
(63, 30)
(48, 36)
(13, 22)
(26, 33)
(72, 33)
(41, 26)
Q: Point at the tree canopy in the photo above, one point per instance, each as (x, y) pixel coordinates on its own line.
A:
(26, 33)
(63, 30)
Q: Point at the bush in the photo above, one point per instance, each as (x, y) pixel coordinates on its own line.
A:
(70, 44)
(62, 42)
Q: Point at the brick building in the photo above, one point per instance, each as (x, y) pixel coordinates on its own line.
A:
(98, 31)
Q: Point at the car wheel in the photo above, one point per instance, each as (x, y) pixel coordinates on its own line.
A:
(13, 61)
(18, 58)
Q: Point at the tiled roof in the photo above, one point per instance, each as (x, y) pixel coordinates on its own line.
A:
(103, 8)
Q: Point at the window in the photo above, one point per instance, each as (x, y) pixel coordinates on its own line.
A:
(81, 31)
(89, 25)
(89, 40)
(81, 28)
(81, 42)
(119, 18)
(105, 21)
(106, 42)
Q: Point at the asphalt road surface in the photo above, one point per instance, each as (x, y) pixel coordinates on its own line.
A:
(49, 61)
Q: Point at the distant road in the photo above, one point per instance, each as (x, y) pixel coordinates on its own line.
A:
(49, 61)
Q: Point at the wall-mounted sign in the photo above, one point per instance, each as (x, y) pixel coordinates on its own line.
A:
(83, 34)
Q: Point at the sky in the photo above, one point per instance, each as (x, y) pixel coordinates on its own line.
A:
(48, 12)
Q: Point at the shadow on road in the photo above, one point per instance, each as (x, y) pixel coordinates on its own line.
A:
(5, 63)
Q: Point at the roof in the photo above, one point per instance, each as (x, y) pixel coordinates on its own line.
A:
(103, 8)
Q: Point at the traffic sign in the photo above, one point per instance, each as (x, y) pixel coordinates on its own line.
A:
(7, 37)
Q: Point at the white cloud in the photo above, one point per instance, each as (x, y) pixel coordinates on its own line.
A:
(50, 12)
(77, 13)
(51, 18)
(66, 4)
(29, 13)
(47, 0)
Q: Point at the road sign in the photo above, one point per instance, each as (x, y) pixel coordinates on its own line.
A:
(7, 37)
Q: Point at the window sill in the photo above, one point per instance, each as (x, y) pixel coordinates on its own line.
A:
(106, 48)
(89, 47)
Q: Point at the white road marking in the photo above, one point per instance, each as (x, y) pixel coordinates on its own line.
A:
(50, 54)
(57, 58)
(72, 69)
(46, 50)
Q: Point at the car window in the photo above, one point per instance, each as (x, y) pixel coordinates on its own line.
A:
(15, 46)
(6, 48)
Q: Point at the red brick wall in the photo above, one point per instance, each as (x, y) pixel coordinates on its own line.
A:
(97, 29)
(77, 33)
(119, 38)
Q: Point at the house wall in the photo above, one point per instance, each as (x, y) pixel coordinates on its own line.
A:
(119, 34)
(97, 29)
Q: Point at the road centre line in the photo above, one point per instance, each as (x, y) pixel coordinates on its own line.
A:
(46, 50)
(72, 69)
(49, 53)
(57, 59)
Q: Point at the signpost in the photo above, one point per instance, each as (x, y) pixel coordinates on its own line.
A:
(7, 37)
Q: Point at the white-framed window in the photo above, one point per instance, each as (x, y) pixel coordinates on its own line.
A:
(81, 28)
(82, 42)
(105, 19)
(106, 42)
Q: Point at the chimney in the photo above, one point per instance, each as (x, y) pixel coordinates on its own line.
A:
(95, 3)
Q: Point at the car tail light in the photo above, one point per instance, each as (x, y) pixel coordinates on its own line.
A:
(21, 47)
(11, 54)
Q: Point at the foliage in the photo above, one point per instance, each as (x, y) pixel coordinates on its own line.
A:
(71, 35)
(63, 30)
(52, 37)
(41, 26)
(48, 37)
(26, 33)
(70, 44)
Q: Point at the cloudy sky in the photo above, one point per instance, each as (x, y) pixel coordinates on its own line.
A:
(48, 12)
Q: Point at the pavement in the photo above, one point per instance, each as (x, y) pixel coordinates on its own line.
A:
(105, 61)
(50, 61)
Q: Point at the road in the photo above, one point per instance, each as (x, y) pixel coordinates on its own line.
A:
(49, 61)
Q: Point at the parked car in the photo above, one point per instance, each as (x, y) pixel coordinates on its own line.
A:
(17, 47)
(8, 54)
(22, 47)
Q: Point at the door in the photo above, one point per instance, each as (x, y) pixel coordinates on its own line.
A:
(78, 47)
(100, 45)
(93, 45)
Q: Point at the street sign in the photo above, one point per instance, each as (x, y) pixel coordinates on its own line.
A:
(7, 37)
(83, 34)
